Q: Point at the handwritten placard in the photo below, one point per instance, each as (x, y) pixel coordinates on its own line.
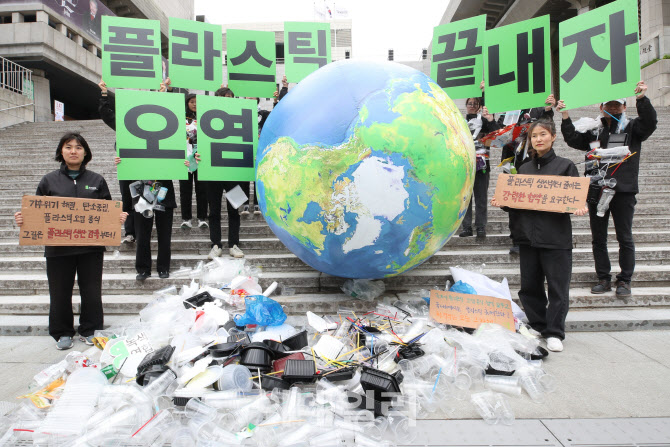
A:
(553, 193)
(461, 309)
(50, 220)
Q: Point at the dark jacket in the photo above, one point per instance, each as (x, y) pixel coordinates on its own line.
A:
(487, 127)
(88, 185)
(542, 229)
(107, 110)
(638, 130)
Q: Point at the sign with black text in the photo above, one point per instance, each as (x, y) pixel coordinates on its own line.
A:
(458, 59)
(227, 138)
(251, 62)
(553, 193)
(518, 65)
(306, 48)
(196, 61)
(151, 135)
(131, 52)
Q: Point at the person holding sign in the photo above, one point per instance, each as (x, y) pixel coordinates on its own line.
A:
(66, 262)
(186, 186)
(618, 175)
(545, 242)
(481, 122)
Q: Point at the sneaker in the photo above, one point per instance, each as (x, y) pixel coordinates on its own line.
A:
(257, 209)
(87, 340)
(64, 342)
(622, 289)
(467, 232)
(514, 250)
(186, 224)
(129, 239)
(245, 210)
(163, 275)
(603, 286)
(235, 252)
(202, 224)
(142, 276)
(554, 344)
(481, 233)
(215, 252)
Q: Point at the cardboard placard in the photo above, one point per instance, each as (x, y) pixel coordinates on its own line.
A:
(51, 220)
(463, 310)
(553, 193)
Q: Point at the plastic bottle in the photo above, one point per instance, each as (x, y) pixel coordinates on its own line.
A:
(49, 374)
(604, 202)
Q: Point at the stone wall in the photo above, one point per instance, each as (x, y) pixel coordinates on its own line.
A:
(16, 115)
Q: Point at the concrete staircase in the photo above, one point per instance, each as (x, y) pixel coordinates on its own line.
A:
(27, 153)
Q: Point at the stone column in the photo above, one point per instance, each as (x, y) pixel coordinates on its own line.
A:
(42, 95)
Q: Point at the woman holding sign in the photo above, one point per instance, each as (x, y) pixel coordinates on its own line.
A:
(64, 262)
(186, 186)
(545, 243)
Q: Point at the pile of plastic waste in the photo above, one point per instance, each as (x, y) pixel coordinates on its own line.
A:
(217, 364)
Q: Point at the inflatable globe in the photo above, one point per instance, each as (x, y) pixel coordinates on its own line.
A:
(365, 169)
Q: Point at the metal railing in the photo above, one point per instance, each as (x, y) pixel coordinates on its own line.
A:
(16, 78)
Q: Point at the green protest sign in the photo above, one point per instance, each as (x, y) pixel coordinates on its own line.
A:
(517, 65)
(458, 60)
(306, 48)
(599, 55)
(131, 52)
(150, 135)
(195, 54)
(227, 138)
(251, 62)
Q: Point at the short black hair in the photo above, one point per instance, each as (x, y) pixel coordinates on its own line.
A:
(478, 100)
(545, 124)
(223, 91)
(73, 136)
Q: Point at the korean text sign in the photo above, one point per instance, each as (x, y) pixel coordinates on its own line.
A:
(251, 62)
(227, 138)
(599, 55)
(306, 48)
(51, 220)
(131, 52)
(554, 193)
(458, 58)
(518, 65)
(151, 135)
(463, 310)
(196, 60)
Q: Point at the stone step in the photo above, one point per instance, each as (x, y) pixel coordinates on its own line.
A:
(29, 283)
(583, 320)
(124, 261)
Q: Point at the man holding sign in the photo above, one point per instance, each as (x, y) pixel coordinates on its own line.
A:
(545, 242)
(64, 262)
(616, 174)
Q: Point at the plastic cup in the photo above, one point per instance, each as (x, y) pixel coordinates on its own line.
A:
(402, 429)
(210, 431)
(183, 438)
(159, 385)
(234, 377)
(484, 403)
(195, 409)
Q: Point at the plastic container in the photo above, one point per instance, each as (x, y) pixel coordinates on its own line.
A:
(234, 377)
(204, 379)
(484, 403)
(299, 371)
(236, 197)
(159, 385)
(270, 383)
(223, 349)
(198, 300)
(256, 356)
(604, 202)
(159, 357)
(196, 409)
(278, 365)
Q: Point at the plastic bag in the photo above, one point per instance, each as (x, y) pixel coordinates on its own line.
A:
(261, 310)
(584, 124)
(463, 287)
(363, 289)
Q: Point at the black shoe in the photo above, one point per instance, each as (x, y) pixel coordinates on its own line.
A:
(481, 233)
(142, 276)
(622, 289)
(163, 275)
(514, 250)
(467, 232)
(603, 286)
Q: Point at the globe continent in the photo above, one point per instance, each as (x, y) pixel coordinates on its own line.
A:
(365, 169)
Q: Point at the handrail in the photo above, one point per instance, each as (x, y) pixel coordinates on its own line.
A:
(15, 77)
(17, 107)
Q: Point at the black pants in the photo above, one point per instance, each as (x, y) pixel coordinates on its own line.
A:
(60, 273)
(186, 197)
(214, 195)
(622, 208)
(480, 197)
(556, 266)
(127, 200)
(143, 228)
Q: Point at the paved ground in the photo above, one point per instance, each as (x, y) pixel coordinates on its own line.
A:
(604, 378)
